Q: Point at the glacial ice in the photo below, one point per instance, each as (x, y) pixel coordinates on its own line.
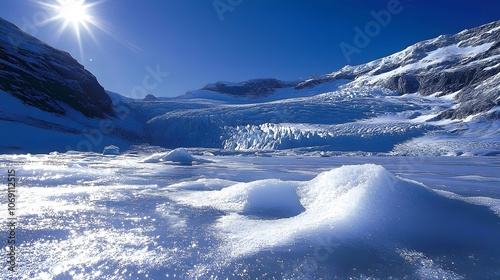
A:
(111, 150)
(179, 155)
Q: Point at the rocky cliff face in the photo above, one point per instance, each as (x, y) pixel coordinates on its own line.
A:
(47, 78)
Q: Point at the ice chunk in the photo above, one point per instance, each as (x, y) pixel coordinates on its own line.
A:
(179, 155)
(111, 150)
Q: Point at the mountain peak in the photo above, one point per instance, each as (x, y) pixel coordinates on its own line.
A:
(457, 64)
(47, 78)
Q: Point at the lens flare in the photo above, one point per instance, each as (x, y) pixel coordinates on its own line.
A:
(75, 13)
(80, 14)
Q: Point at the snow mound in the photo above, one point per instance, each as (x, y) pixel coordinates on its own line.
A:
(179, 155)
(111, 150)
(351, 202)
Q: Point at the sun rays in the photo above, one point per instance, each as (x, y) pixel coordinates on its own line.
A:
(76, 14)
(81, 16)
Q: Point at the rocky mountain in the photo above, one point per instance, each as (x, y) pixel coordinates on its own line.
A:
(46, 78)
(466, 64)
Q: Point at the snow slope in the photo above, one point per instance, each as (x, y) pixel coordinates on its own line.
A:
(29, 129)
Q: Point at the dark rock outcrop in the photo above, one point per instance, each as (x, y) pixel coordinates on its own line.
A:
(257, 88)
(150, 98)
(47, 78)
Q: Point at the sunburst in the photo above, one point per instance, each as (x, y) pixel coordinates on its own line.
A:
(80, 14)
(75, 13)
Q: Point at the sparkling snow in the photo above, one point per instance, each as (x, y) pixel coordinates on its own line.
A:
(88, 216)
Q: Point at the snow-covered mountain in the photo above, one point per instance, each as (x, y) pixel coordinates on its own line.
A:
(47, 78)
(466, 64)
(50, 102)
(437, 97)
(256, 88)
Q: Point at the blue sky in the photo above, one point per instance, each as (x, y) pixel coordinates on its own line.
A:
(197, 43)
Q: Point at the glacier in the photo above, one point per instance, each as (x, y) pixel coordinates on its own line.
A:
(342, 119)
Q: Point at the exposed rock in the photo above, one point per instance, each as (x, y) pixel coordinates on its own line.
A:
(257, 88)
(150, 98)
(47, 78)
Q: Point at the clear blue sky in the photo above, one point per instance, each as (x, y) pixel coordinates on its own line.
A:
(287, 39)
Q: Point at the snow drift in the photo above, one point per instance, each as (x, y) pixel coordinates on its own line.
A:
(364, 203)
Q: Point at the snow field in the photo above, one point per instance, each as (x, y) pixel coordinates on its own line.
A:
(88, 215)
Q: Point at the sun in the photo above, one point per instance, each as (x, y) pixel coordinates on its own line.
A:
(80, 16)
(73, 11)
(77, 14)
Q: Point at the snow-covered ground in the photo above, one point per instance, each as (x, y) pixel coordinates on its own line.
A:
(244, 215)
(30, 129)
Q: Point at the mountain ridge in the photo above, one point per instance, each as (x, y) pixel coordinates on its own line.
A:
(454, 73)
(47, 78)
